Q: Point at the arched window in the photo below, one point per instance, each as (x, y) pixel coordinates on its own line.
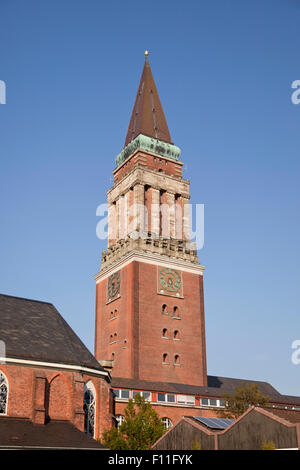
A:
(165, 333)
(112, 356)
(89, 408)
(164, 309)
(176, 359)
(167, 423)
(3, 393)
(120, 419)
(176, 312)
(176, 334)
(165, 358)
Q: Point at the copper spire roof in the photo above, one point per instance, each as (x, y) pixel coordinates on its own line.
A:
(147, 115)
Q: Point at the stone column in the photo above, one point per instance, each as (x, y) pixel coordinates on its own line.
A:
(171, 204)
(178, 217)
(126, 213)
(155, 216)
(139, 204)
(121, 207)
(117, 219)
(186, 219)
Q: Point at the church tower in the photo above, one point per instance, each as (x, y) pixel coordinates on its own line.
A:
(149, 290)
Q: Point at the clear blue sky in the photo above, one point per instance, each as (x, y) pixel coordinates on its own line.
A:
(224, 71)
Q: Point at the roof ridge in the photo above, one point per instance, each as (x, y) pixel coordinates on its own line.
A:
(25, 298)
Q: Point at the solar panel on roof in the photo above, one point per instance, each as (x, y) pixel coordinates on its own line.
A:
(214, 423)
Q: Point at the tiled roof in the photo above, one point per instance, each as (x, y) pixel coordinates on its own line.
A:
(293, 416)
(20, 433)
(34, 330)
(217, 386)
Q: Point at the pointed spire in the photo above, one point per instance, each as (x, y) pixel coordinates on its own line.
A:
(147, 115)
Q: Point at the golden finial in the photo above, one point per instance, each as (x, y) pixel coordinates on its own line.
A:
(146, 53)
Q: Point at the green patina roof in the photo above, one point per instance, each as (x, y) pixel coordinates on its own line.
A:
(151, 145)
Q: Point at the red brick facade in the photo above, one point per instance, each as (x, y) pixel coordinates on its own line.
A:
(43, 394)
(140, 326)
(151, 161)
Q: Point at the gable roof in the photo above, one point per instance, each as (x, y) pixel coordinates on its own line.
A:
(35, 330)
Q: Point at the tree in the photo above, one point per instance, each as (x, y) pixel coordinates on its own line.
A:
(141, 428)
(244, 396)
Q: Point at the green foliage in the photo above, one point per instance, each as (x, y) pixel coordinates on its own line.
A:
(269, 445)
(141, 428)
(196, 445)
(244, 396)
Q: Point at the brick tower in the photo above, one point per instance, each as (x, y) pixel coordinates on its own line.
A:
(149, 291)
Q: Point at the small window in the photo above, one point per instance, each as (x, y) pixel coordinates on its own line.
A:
(164, 309)
(112, 356)
(204, 401)
(176, 334)
(176, 359)
(165, 358)
(166, 397)
(186, 400)
(167, 423)
(125, 394)
(120, 419)
(176, 312)
(165, 333)
(146, 395)
(171, 398)
(161, 397)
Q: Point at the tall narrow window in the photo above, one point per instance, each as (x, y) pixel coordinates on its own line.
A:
(3, 393)
(89, 408)
(165, 358)
(164, 309)
(165, 333)
(176, 312)
(176, 360)
(176, 334)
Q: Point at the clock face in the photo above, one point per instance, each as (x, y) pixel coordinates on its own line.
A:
(170, 280)
(113, 285)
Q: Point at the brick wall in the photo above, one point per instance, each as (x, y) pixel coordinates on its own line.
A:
(44, 394)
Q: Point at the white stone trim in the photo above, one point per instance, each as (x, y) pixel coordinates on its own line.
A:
(149, 258)
(53, 365)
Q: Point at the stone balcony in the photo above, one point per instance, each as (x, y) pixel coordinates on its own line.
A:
(173, 248)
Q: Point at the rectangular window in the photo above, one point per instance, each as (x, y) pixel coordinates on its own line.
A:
(116, 392)
(212, 402)
(171, 398)
(166, 397)
(146, 395)
(125, 394)
(161, 397)
(185, 400)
